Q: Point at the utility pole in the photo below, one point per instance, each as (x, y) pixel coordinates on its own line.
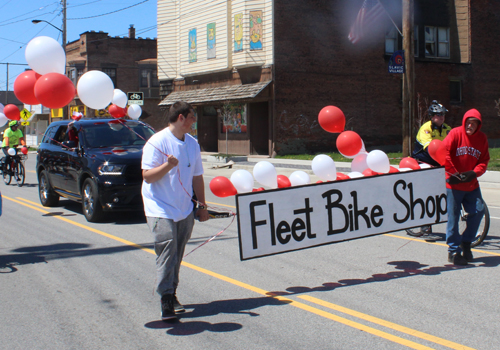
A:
(65, 108)
(408, 77)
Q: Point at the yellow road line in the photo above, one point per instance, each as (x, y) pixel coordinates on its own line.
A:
(286, 300)
(224, 205)
(387, 324)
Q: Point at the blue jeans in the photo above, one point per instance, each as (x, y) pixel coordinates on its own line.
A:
(473, 204)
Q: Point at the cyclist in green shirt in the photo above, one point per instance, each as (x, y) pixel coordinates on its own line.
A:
(12, 137)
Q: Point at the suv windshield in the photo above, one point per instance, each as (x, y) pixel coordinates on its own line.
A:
(103, 134)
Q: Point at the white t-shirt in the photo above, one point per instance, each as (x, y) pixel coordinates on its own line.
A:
(167, 197)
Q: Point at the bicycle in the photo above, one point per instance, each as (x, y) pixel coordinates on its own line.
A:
(15, 168)
(481, 233)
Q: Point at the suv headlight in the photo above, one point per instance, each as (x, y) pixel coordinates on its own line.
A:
(110, 169)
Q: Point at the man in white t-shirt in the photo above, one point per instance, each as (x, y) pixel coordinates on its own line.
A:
(172, 169)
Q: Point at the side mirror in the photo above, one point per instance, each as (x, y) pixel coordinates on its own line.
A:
(69, 144)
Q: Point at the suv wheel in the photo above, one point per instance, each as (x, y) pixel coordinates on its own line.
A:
(48, 197)
(90, 201)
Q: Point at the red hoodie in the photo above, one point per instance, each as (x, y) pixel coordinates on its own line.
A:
(465, 153)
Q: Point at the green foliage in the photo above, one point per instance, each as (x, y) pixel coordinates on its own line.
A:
(395, 158)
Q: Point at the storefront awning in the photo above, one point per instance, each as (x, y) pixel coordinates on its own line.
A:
(221, 93)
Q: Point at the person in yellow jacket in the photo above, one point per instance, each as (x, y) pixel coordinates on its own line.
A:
(434, 129)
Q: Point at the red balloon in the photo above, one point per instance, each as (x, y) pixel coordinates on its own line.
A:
(437, 151)
(24, 150)
(24, 87)
(222, 187)
(393, 170)
(349, 143)
(12, 112)
(54, 90)
(283, 181)
(370, 172)
(331, 119)
(258, 189)
(117, 112)
(409, 163)
(342, 176)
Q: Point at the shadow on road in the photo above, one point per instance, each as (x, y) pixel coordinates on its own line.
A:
(44, 254)
(233, 306)
(404, 269)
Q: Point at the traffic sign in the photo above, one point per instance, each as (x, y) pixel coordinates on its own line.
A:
(135, 98)
(25, 123)
(25, 114)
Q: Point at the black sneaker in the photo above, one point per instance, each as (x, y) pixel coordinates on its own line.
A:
(467, 253)
(178, 308)
(456, 259)
(167, 307)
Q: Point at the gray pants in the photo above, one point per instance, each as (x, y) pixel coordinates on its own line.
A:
(170, 239)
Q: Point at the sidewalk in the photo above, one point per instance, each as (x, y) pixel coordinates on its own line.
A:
(288, 166)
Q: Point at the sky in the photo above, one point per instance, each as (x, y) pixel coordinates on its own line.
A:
(111, 16)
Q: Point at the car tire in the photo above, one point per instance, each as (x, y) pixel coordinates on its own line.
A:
(90, 201)
(48, 197)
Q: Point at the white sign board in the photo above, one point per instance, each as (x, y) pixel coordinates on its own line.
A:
(282, 220)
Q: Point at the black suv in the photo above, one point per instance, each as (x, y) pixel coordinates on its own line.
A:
(93, 161)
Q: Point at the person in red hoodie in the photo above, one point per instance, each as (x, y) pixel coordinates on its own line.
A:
(467, 158)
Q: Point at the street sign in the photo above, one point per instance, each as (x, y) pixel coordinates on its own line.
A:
(397, 62)
(25, 123)
(135, 98)
(25, 114)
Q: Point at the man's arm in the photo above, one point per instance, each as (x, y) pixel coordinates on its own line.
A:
(156, 174)
(199, 190)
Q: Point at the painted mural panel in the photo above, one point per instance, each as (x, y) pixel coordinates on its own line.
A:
(192, 45)
(256, 30)
(234, 118)
(211, 52)
(238, 32)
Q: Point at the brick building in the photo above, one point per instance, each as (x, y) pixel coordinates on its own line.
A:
(129, 61)
(263, 69)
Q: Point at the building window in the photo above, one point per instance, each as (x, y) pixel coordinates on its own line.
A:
(437, 42)
(415, 41)
(455, 91)
(111, 72)
(74, 74)
(391, 41)
(148, 82)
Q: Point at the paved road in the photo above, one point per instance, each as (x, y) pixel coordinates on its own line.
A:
(69, 284)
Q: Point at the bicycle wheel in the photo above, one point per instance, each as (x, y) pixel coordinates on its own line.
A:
(483, 228)
(7, 177)
(19, 174)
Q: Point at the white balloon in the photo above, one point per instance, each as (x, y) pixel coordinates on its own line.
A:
(242, 180)
(299, 177)
(404, 169)
(378, 161)
(265, 174)
(11, 152)
(358, 164)
(120, 98)
(1, 108)
(95, 89)
(355, 174)
(323, 166)
(45, 55)
(3, 119)
(134, 111)
(425, 166)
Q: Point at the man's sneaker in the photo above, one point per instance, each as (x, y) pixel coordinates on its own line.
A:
(466, 251)
(456, 259)
(178, 308)
(167, 307)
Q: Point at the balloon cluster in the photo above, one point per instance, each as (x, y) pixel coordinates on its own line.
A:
(48, 85)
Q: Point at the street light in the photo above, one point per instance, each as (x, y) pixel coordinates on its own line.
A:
(35, 21)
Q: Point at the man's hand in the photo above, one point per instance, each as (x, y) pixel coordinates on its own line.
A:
(172, 160)
(468, 176)
(454, 179)
(202, 214)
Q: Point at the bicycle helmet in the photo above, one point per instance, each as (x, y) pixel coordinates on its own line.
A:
(13, 123)
(436, 108)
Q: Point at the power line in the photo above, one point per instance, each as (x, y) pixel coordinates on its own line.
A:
(109, 13)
